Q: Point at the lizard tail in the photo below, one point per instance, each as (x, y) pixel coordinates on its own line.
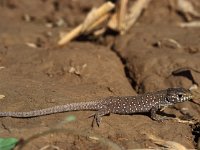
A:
(52, 110)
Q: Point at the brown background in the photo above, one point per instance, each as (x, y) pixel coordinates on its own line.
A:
(35, 78)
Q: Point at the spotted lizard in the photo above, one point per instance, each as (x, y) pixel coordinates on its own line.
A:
(123, 105)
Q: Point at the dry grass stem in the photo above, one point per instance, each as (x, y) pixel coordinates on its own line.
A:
(96, 15)
(135, 12)
(184, 121)
(50, 147)
(90, 20)
(99, 32)
(121, 15)
(193, 24)
(2, 67)
(187, 9)
(171, 43)
(113, 22)
(166, 144)
(69, 36)
(121, 21)
(2, 96)
(98, 23)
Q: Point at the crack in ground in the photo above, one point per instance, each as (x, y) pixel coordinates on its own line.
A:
(126, 69)
(196, 134)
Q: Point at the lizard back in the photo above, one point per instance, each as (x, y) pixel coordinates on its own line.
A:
(133, 104)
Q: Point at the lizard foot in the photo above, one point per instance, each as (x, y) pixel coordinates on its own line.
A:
(161, 118)
(97, 115)
(97, 118)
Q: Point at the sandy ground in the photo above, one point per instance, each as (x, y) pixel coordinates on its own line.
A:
(142, 60)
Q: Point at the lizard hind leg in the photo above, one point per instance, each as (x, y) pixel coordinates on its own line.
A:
(97, 116)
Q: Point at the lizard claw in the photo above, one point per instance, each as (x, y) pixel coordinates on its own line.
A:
(161, 118)
(96, 118)
(97, 115)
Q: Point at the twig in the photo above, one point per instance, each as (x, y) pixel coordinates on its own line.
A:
(167, 144)
(2, 96)
(193, 24)
(90, 20)
(117, 21)
(113, 22)
(69, 36)
(98, 22)
(135, 12)
(187, 9)
(50, 146)
(121, 13)
(185, 121)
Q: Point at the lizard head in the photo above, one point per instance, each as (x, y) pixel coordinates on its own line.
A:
(178, 95)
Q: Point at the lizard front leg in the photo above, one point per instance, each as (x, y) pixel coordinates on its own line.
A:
(153, 113)
(156, 117)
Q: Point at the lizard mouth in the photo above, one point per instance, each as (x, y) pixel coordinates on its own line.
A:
(186, 97)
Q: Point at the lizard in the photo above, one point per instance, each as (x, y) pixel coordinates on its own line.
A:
(124, 105)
